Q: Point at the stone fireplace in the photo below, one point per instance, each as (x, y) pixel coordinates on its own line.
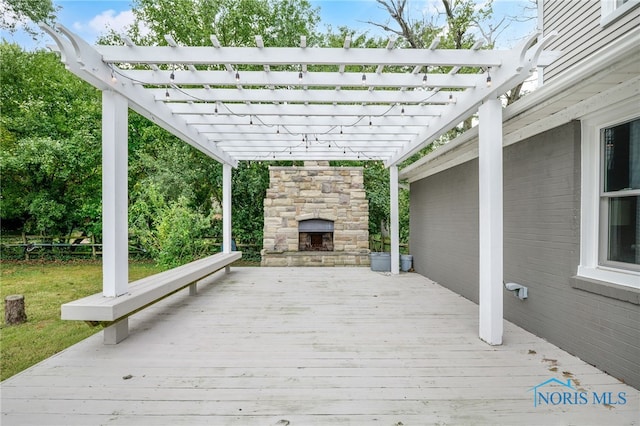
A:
(316, 215)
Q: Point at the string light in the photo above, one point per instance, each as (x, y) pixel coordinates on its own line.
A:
(237, 76)
(370, 124)
(364, 79)
(166, 94)
(172, 77)
(488, 77)
(278, 130)
(113, 77)
(424, 80)
(251, 120)
(300, 76)
(340, 129)
(215, 110)
(402, 111)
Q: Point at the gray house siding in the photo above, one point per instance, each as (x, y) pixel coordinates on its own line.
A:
(580, 32)
(541, 249)
(444, 228)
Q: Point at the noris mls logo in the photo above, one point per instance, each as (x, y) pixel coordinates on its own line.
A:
(557, 392)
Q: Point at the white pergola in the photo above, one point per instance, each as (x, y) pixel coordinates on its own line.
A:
(304, 103)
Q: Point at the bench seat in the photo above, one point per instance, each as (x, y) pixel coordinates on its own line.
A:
(145, 291)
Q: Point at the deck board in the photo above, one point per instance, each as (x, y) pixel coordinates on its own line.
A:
(308, 346)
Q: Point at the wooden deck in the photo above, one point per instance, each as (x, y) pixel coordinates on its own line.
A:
(309, 346)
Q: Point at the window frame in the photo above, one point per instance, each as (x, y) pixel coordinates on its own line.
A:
(593, 205)
(609, 12)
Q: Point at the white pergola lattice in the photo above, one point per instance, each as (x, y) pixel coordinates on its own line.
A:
(301, 103)
(304, 103)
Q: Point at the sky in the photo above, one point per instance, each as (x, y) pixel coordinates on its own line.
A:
(89, 19)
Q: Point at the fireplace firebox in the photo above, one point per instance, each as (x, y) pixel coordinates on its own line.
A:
(315, 235)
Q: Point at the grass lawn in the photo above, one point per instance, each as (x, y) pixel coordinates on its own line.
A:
(46, 286)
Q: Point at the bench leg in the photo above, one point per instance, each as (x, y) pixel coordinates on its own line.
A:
(227, 269)
(193, 289)
(117, 332)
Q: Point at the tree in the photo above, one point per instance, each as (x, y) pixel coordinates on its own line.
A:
(233, 22)
(22, 13)
(459, 26)
(460, 18)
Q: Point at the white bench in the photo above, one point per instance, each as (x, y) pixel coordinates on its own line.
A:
(142, 293)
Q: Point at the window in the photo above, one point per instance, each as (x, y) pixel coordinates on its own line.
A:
(620, 197)
(611, 10)
(610, 195)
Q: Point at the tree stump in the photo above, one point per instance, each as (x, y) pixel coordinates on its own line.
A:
(14, 312)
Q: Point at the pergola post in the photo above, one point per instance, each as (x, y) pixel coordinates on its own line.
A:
(226, 208)
(395, 221)
(491, 226)
(115, 227)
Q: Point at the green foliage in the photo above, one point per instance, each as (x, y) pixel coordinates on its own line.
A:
(171, 231)
(50, 145)
(39, 98)
(52, 186)
(234, 22)
(21, 13)
(249, 187)
(462, 16)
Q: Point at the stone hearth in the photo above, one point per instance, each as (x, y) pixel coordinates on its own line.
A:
(316, 215)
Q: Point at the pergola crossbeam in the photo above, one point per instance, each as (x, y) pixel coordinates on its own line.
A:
(316, 79)
(205, 55)
(302, 96)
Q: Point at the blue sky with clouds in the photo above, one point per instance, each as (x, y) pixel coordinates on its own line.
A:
(91, 18)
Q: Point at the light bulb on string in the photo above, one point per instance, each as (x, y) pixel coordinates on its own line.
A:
(300, 77)
(114, 80)
(251, 120)
(488, 77)
(237, 76)
(166, 94)
(364, 79)
(172, 76)
(424, 80)
(215, 110)
(402, 111)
